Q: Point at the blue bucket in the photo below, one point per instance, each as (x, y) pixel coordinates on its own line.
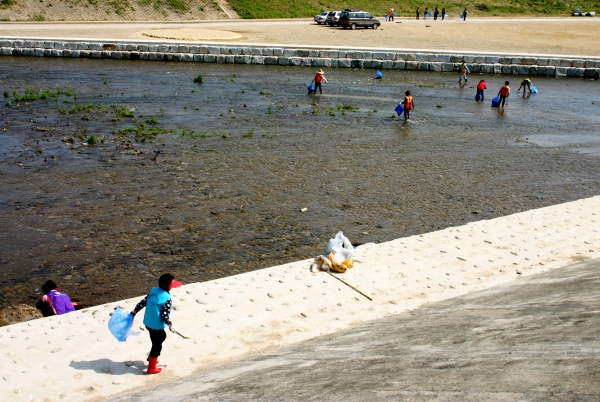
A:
(496, 101)
(534, 90)
(378, 75)
(399, 109)
(311, 87)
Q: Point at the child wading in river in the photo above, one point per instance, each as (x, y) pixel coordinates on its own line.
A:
(480, 87)
(463, 70)
(504, 93)
(319, 78)
(408, 105)
(157, 316)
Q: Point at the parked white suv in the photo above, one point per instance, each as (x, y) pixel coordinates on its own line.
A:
(333, 18)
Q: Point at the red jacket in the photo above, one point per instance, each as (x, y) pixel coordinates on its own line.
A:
(481, 85)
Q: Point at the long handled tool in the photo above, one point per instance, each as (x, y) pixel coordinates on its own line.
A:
(181, 335)
(347, 284)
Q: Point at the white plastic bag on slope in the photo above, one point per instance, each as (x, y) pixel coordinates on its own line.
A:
(341, 246)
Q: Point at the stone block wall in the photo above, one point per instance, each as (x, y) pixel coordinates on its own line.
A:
(290, 56)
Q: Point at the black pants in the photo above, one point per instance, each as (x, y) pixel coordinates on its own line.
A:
(502, 100)
(479, 94)
(319, 87)
(157, 336)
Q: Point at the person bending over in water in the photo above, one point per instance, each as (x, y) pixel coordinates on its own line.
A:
(525, 84)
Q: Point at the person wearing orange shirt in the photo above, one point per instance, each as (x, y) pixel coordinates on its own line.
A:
(319, 77)
(408, 105)
(504, 93)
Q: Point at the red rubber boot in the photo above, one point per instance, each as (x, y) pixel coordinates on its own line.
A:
(152, 366)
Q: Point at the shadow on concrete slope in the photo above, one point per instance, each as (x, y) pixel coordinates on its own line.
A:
(535, 339)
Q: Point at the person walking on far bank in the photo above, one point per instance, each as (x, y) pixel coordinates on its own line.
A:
(464, 70)
(319, 77)
(426, 13)
(418, 13)
(436, 14)
(464, 14)
(408, 105)
(158, 305)
(504, 93)
(443, 13)
(525, 84)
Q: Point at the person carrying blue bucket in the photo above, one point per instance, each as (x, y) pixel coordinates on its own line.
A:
(158, 305)
(319, 77)
(408, 105)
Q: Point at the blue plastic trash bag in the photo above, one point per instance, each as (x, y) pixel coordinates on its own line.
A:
(120, 325)
(462, 16)
(430, 14)
(311, 87)
(533, 90)
(378, 75)
(496, 101)
(399, 109)
(445, 15)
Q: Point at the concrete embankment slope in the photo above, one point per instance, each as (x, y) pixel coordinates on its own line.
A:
(308, 56)
(74, 357)
(534, 339)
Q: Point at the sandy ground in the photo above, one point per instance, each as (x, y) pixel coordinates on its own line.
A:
(562, 36)
(533, 339)
(74, 356)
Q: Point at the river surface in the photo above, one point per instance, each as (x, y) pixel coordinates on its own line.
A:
(206, 181)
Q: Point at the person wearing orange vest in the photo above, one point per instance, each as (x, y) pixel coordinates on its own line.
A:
(480, 87)
(504, 93)
(408, 105)
(390, 14)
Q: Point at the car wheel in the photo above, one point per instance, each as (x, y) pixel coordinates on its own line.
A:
(353, 26)
(375, 26)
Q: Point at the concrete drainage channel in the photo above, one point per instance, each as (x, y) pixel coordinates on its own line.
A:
(588, 67)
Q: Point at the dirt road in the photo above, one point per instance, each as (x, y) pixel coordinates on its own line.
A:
(561, 36)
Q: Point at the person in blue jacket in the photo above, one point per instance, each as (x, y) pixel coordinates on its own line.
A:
(158, 305)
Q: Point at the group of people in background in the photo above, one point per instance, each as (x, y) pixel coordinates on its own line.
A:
(408, 103)
(504, 92)
(436, 13)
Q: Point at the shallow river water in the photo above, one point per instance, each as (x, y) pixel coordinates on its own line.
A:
(209, 180)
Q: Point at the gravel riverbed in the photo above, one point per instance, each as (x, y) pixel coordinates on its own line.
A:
(206, 181)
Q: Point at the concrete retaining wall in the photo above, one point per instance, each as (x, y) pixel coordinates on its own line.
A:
(293, 56)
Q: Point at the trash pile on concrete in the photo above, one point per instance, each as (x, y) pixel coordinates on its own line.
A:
(337, 256)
